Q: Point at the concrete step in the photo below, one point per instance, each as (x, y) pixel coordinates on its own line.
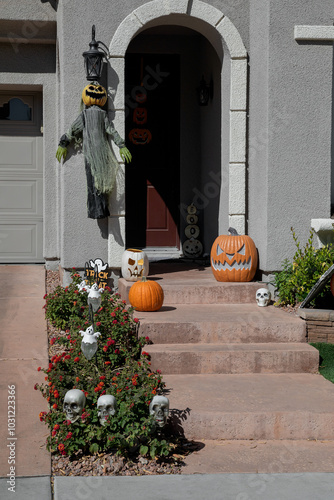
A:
(186, 290)
(220, 323)
(252, 406)
(259, 456)
(234, 358)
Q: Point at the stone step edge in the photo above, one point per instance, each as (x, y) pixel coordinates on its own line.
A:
(237, 346)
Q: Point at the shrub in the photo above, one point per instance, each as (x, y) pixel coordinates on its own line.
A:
(297, 278)
(119, 368)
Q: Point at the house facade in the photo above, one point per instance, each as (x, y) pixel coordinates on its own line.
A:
(258, 156)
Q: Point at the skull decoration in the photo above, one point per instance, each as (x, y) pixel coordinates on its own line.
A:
(74, 403)
(135, 264)
(159, 408)
(263, 297)
(89, 342)
(106, 405)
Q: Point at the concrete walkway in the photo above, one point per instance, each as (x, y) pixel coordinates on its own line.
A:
(208, 472)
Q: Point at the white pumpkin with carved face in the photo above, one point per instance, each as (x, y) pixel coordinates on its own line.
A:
(134, 264)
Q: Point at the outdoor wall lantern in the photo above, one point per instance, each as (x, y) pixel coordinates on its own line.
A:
(94, 58)
(204, 92)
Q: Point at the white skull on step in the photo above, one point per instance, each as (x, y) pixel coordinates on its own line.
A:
(74, 403)
(106, 406)
(159, 408)
(263, 297)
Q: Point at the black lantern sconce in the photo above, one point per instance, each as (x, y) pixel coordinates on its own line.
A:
(94, 58)
(204, 92)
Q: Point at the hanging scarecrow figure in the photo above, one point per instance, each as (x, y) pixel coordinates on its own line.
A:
(100, 162)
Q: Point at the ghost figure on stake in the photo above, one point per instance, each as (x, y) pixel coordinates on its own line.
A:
(100, 162)
(106, 406)
(94, 297)
(83, 287)
(74, 403)
(89, 342)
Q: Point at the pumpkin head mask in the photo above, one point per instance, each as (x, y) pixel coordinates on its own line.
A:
(94, 94)
(233, 257)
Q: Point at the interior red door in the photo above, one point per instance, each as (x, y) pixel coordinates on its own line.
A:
(152, 135)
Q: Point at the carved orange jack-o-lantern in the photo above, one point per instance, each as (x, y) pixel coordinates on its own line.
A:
(140, 116)
(233, 257)
(94, 94)
(140, 136)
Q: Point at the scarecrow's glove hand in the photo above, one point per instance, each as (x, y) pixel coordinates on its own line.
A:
(61, 153)
(125, 155)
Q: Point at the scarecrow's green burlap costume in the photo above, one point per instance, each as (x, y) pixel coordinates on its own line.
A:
(100, 162)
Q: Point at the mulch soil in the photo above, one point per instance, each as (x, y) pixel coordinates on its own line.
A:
(106, 464)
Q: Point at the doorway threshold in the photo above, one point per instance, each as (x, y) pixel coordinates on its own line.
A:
(155, 254)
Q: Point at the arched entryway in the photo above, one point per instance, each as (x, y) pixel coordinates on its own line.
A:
(220, 179)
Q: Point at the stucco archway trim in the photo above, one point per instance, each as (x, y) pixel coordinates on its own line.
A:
(232, 42)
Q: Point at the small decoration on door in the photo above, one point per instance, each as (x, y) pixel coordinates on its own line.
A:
(192, 247)
(140, 116)
(140, 136)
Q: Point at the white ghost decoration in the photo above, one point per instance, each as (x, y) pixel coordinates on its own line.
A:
(99, 263)
(83, 286)
(94, 297)
(89, 342)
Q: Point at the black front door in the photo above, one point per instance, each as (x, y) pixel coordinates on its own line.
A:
(153, 136)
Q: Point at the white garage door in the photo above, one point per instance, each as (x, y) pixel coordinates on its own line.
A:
(21, 177)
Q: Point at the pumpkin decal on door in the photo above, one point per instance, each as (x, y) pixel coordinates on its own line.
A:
(140, 136)
(140, 116)
(234, 257)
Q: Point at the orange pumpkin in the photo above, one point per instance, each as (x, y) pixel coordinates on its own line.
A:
(146, 295)
(233, 257)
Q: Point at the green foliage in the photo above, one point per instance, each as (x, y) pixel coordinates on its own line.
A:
(326, 352)
(297, 278)
(119, 368)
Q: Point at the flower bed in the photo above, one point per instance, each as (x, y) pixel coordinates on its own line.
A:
(119, 368)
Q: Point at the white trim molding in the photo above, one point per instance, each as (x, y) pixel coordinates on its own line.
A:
(210, 16)
(315, 33)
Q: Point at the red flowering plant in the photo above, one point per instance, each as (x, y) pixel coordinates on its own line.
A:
(119, 368)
